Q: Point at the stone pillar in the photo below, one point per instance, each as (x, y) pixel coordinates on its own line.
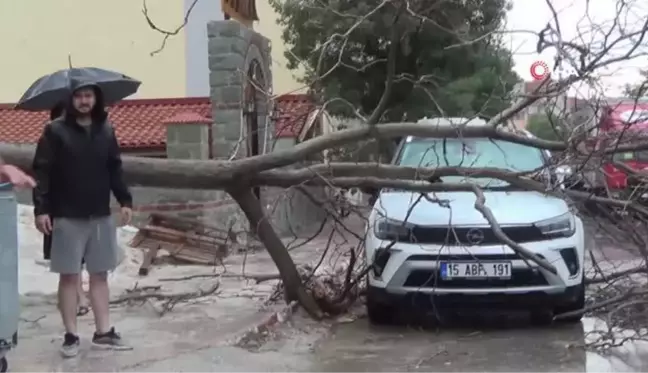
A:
(241, 86)
(188, 136)
(235, 50)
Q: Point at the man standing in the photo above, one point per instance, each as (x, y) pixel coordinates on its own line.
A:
(83, 309)
(77, 164)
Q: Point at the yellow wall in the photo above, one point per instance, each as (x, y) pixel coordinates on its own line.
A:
(36, 37)
(284, 80)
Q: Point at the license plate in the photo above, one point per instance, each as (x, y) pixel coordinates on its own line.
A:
(475, 270)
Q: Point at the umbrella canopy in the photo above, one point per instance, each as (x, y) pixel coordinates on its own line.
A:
(50, 90)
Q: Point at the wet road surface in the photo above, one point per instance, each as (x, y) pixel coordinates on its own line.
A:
(305, 345)
(359, 347)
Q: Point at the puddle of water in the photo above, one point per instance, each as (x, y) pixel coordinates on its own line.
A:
(362, 347)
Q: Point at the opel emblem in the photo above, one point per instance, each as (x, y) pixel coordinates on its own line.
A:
(475, 236)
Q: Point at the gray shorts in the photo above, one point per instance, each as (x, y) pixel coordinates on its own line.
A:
(93, 240)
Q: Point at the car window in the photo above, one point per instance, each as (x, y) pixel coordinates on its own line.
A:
(626, 156)
(473, 153)
(641, 156)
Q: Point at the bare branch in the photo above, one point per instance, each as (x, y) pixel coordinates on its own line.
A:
(167, 34)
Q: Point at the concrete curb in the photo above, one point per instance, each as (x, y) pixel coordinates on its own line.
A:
(257, 333)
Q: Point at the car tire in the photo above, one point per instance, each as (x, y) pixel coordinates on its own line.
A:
(576, 305)
(377, 312)
(541, 317)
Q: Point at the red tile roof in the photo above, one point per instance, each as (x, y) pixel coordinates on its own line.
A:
(187, 117)
(293, 114)
(139, 124)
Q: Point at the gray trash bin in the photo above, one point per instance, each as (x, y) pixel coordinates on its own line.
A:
(9, 296)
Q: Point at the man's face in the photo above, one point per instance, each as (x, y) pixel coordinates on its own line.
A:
(84, 100)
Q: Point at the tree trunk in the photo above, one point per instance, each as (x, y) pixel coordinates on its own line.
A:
(293, 286)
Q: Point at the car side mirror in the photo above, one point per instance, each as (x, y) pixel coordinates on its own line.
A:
(547, 176)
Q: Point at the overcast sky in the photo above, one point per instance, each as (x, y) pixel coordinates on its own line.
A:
(533, 15)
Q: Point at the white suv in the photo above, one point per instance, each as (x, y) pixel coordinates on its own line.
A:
(431, 254)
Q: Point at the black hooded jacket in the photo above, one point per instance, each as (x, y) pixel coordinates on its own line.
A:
(76, 168)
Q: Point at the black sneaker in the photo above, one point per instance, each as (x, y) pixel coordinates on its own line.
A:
(70, 347)
(110, 341)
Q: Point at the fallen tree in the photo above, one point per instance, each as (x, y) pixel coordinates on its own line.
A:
(238, 177)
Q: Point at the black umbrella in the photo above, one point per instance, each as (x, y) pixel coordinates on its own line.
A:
(52, 89)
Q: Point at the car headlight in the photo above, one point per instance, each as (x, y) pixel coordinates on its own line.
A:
(393, 230)
(560, 226)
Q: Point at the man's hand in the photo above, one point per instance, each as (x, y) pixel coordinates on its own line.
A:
(126, 215)
(44, 224)
(15, 176)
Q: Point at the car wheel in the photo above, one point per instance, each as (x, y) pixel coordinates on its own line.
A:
(377, 312)
(541, 317)
(574, 306)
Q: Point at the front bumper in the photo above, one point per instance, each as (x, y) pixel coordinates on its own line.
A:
(521, 301)
(414, 268)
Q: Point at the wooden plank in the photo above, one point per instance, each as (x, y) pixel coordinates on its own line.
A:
(157, 218)
(137, 240)
(176, 235)
(193, 225)
(183, 239)
(191, 257)
(200, 257)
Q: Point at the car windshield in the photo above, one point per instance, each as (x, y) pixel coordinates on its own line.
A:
(639, 156)
(473, 153)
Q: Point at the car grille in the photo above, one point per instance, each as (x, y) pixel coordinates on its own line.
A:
(455, 236)
(520, 277)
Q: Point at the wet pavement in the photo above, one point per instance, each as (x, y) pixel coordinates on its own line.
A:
(192, 327)
(359, 347)
(201, 337)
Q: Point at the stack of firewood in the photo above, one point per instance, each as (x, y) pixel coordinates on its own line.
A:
(188, 240)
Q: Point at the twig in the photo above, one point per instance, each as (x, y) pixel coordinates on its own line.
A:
(159, 296)
(175, 297)
(166, 33)
(35, 321)
(259, 278)
(620, 298)
(615, 275)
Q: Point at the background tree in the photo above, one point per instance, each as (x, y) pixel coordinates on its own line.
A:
(436, 73)
(640, 89)
(546, 126)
